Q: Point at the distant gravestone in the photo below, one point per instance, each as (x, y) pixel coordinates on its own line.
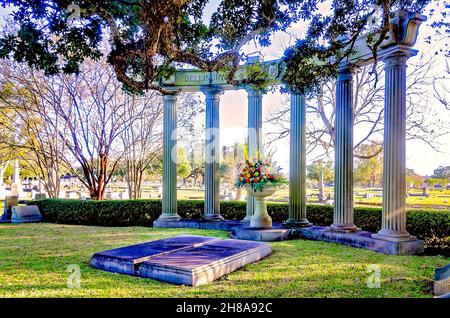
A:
(74, 195)
(10, 201)
(40, 196)
(25, 214)
(442, 281)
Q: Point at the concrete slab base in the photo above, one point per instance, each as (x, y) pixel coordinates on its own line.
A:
(442, 281)
(362, 239)
(203, 264)
(225, 225)
(280, 232)
(189, 259)
(126, 260)
(276, 233)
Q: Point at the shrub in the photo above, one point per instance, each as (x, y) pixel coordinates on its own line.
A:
(432, 226)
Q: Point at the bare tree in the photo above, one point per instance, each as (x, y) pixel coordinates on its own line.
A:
(95, 112)
(442, 87)
(26, 102)
(142, 139)
(368, 112)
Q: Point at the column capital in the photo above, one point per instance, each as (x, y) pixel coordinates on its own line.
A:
(212, 91)
(344, 72)
(297, 97)
(172, 96)
(397, 55)
(252, 92)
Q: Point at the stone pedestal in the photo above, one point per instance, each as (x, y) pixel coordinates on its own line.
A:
(274, 234)
(394, 158)
(212, 154)
(297, 163)
(343, 188)
(260, 217)
(169, 190)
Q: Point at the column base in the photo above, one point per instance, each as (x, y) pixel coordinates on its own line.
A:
(168, 218)
(362, 239)
(297, 223)
(344, 228)
(250, 209)
(261, 222)
(213, 218)
(247, 219)
(394, 236)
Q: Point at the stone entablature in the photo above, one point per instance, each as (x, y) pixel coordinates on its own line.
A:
(404, 32)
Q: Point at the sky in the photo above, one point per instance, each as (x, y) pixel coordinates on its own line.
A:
(233, 106)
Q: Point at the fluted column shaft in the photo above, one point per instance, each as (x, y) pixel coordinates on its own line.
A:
(343, 216)
(212, 154)
(297, 163)
(394, 159)
(169, 191)
(254, 137)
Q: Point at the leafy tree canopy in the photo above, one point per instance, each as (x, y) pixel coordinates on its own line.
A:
(149, 37)
(442, 172)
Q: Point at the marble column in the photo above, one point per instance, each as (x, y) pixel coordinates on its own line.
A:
(169, 189)
(212, 154)
(394, 158)
(254, 109)
(343, 217)
(297, 163)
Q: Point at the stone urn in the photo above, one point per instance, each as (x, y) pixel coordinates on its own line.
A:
(261, 218)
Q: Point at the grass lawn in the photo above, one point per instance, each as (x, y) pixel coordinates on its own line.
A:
(34, 260)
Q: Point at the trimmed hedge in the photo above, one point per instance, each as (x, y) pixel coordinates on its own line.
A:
(432, 226)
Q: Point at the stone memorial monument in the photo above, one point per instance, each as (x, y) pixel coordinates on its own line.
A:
(10, 201)
(40, 196)
(393, 52)
(185, 260)
(25, 214)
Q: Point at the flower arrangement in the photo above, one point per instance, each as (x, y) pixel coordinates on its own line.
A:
(257, 174)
